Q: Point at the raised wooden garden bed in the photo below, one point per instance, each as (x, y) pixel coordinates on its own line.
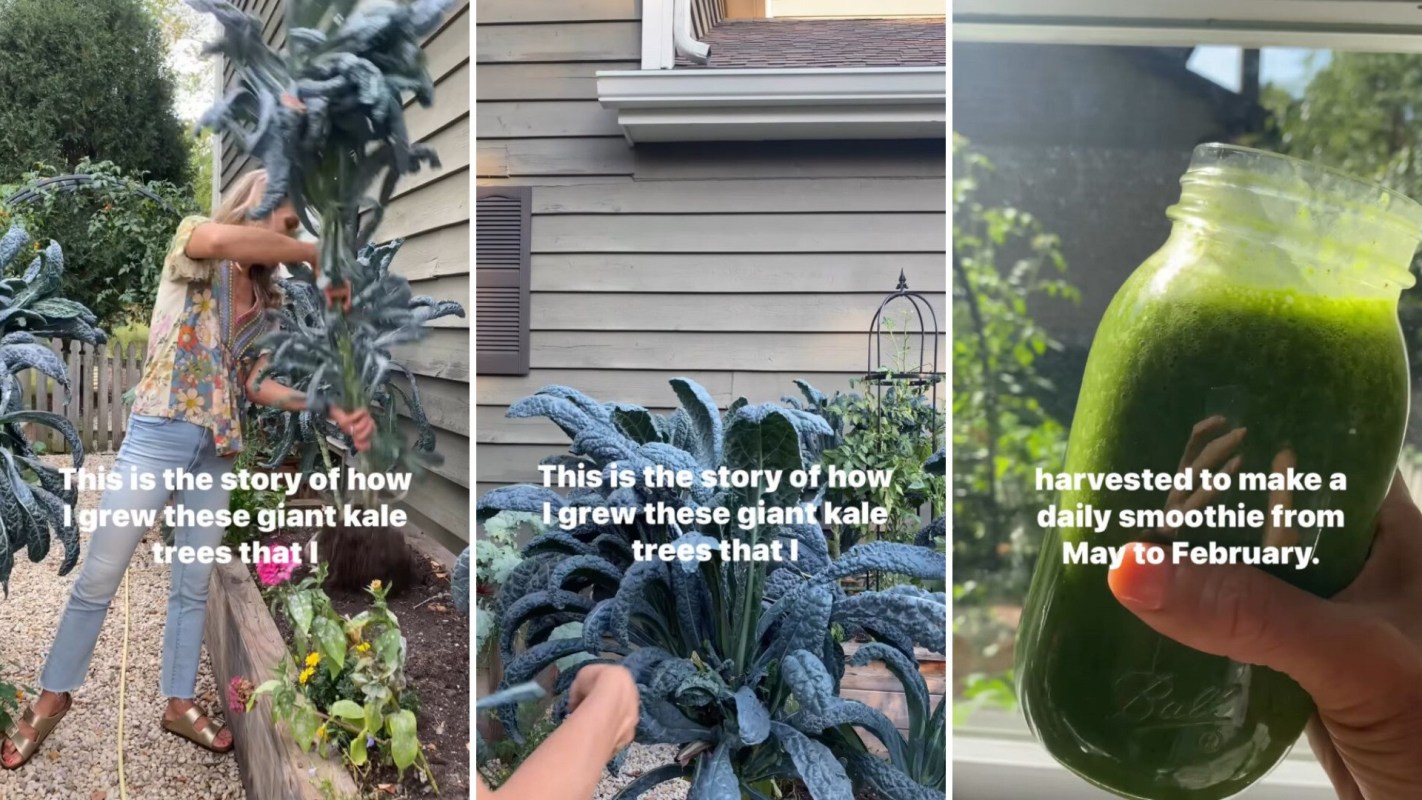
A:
(874, 685)
(242, 639)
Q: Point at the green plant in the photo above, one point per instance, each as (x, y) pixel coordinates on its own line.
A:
(117, 233)
(11, 696)
(735, 661)
(893, 428)
(348, 692)
(1003, 262)
(496, 556)
(497, 761)
(34, 499)
(81, 80)
(250, 500)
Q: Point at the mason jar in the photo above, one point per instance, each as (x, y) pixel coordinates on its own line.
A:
(1262, 337)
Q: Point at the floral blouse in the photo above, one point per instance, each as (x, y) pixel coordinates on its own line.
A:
(199, 350)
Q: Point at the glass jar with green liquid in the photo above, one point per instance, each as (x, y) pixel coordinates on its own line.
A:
(1262, 337)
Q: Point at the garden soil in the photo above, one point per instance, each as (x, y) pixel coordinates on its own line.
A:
(437, 667)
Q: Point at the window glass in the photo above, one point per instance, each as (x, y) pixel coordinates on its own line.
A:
(1066, 157)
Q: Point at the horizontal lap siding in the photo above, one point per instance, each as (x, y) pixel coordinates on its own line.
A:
(742, 266)
(430, 210)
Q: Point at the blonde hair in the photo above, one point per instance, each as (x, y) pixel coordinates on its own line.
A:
(234, 209)
(238, 201)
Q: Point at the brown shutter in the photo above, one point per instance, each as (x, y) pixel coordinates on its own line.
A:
(501, 234)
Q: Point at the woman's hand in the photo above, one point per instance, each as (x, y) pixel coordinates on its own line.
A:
(602, 719)
(338, 296)
(358, 424)
(1358, 654)
(610, 689)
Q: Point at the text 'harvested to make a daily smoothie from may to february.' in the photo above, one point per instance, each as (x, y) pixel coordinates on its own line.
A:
(1188, 507)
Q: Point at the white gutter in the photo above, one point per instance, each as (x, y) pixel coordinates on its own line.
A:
(761, 104)
(667, 32)
(684, 39)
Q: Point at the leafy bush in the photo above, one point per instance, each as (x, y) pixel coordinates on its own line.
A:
(496, 556)
(736, 661)
(1002, 262)
(83, 79)
(33, 495)
(895, 429)
(349, 693)
(116, 234)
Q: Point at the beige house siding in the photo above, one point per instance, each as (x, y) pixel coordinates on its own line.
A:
(740, 266)
(431, 211)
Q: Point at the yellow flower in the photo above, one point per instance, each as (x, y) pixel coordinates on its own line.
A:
(375, 586)
(363, 647)
(306, 675)
(321, 732)
(313, 659)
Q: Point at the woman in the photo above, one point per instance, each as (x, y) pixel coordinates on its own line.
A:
(217, 283)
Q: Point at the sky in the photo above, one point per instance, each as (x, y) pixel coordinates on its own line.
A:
(1287, 67)
(195, 73)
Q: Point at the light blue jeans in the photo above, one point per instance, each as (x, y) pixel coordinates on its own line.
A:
(153, 444)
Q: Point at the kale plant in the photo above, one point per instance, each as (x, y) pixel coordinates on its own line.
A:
(326, 118)
(735, 661)
(33, 496)
(307, 351)
(326, 115)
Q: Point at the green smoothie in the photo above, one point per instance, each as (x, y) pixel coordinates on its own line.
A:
(1311, 365)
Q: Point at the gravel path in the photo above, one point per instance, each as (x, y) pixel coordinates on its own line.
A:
(79, 761)
(641, 758)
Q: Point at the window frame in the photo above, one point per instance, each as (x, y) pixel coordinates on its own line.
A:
(1393, 27)
(994, 756)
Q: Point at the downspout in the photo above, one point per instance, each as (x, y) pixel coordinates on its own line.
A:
(683, 40)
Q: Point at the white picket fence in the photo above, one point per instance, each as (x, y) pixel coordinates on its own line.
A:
(99, 375)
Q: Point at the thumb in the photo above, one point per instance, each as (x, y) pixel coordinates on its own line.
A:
(1252, 617)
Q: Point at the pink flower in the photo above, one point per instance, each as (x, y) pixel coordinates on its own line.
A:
(274, 573)
(239, 691)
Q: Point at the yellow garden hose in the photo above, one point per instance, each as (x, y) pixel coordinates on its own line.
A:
(123, 684)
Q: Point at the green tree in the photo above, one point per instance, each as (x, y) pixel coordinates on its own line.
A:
(201, 167)
(82, 79)
(1003, 263)
(119, 236)
(1361, 113)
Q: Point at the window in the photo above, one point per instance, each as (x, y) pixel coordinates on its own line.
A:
(1088, 117)
(503, 232)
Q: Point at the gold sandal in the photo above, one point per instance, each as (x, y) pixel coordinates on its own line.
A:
(42, 726)
(186, 727)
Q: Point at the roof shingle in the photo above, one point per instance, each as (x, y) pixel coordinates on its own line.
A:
(826, 43)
